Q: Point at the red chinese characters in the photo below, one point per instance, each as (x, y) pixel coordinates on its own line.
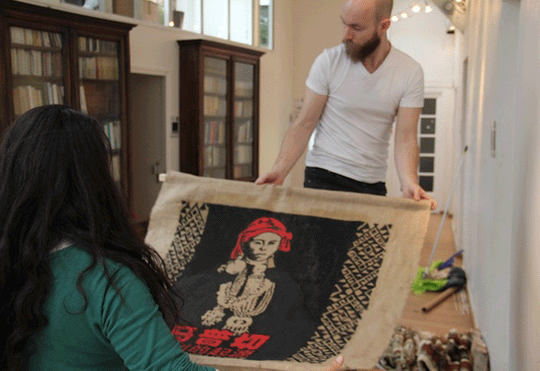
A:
(218, 343)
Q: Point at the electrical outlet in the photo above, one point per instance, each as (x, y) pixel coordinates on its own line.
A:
(175, 126)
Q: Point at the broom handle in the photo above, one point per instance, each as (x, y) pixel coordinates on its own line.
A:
(446, 209)
(440, 298)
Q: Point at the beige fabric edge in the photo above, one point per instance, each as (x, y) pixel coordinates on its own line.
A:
(393, 284)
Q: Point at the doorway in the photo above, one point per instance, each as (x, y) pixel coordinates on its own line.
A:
(435, 141)
(147, 111)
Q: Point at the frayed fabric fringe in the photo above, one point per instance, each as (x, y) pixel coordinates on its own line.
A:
(422, 351)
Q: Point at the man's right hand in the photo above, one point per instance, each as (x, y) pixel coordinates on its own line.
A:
(271, 177)
(336, 365)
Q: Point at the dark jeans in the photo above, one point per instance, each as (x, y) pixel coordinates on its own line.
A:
(318, 178)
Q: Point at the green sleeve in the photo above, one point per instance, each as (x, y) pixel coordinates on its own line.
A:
(136, 329)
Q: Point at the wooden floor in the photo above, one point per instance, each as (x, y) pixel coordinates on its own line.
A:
(455, 311)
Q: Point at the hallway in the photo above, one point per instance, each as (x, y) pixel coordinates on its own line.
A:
(455, 311)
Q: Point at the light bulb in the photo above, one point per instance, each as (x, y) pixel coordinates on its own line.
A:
(428, 9)
(404, 15)
(395, 18)
(171, 24)
(416, 8)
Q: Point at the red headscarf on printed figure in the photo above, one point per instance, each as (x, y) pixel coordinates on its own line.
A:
(263, 225)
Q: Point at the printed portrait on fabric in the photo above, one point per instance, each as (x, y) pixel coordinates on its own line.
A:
(264, 285)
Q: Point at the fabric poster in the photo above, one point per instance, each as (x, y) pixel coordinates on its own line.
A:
(280, 278)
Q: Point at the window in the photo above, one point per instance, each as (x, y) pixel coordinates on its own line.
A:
(191, 10)
(266, 23)
(243, 21)
(216, 18)
(241, 29)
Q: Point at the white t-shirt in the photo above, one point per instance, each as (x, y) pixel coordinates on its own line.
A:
(353, 133)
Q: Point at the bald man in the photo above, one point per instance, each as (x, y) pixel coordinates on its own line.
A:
(354, 93)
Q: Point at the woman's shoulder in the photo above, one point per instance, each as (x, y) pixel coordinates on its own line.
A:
(74, 259)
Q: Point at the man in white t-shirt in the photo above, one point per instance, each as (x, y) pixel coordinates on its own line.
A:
(354, 93)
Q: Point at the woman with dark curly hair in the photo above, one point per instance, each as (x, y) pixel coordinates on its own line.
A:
(78, 289)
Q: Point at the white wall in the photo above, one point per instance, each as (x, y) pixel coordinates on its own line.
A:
(276, 85)
(487, 210)
(316, 26)
(525, 276)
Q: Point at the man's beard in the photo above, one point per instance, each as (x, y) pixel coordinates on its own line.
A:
(360, 52)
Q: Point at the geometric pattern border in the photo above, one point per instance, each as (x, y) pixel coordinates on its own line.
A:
(350, 297)
(191, 224)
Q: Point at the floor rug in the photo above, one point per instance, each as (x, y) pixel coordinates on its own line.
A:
(278, 278)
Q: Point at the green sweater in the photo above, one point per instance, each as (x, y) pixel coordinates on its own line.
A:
(109, 334)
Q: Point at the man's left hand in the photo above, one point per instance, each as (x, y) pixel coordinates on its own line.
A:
(417, 193)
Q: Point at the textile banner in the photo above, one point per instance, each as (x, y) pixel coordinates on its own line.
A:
(279, 278)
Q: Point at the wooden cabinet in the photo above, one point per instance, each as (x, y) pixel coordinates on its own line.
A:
(52, 57)
(219, 110)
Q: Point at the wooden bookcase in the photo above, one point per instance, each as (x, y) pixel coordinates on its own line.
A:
(219, 110)
(52, 57)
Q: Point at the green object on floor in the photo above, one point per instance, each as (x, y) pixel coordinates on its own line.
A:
(420, 285)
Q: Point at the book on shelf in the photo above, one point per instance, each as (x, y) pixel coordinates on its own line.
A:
(241, 171)
(214, 156)
(35, 63)
(115, 168)
(214, 106)
(243, 108)
(31, 37)
(100, 68)
(219, 156)
(26, 97)
(243, 154)
(14, 62)
(82, 95)
(244, 132)
(238, 108)
(215, 85)
(247, 109)
(100, 99)
(214, 132)
(113, 131)
(243, 88)
(208, 156)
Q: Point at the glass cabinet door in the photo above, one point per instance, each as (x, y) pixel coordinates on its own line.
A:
(37, 68)
(243, 165)
(99, 91)
(215, 118)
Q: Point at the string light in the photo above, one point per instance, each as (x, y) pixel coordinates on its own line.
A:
(415, 8)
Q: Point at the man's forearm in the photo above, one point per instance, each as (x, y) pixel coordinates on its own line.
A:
(292, 147)
(406, 159)
(296, 138)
